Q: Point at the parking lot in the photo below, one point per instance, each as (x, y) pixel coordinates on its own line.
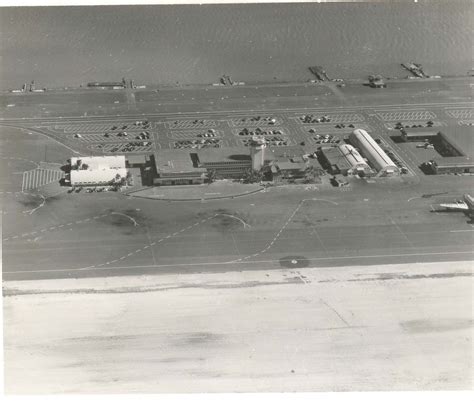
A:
(326, 139)
(256, 121)
(464, 114)
(330, 118)
(274, 137)
(197, 143)
(193, 134)
(183, 124)
(271, 141)
(406, 115)
(126, 147)
(414, 124)
(102, 127)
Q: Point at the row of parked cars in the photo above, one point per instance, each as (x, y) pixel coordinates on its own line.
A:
(311, 119)
(326, 139)
(209, 134)
(89, 190)
(258, 131)
(198, 143)
(344, 126)
(272, 141)
(128, 147)
(144, 124)
(142, 135)
(194, 122)
(269, 120)
(400, 125)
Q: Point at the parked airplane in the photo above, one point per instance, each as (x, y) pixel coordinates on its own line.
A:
(466, 205)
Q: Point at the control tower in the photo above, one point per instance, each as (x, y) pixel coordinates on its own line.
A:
(257, 152)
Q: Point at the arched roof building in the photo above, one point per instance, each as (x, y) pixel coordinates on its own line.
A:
(354, 158)
(373, 152)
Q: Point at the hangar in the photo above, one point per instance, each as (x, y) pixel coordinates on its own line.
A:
(345, 159)
(373, 152)
(356, 161)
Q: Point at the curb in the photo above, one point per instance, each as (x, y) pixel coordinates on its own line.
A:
(196, 199)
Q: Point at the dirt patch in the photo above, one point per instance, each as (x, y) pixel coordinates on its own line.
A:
(30, 201)
(438, 325)
(196, 338)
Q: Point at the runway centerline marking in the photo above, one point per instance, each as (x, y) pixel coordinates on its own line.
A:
(273, 261)
(57, 226)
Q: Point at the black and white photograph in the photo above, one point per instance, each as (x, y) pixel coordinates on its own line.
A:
(223, 198)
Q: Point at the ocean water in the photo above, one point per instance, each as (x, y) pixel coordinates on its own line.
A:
(59, 46)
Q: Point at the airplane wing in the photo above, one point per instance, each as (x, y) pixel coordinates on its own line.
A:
(461, 206)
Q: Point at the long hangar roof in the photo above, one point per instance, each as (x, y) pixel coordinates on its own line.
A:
(372, 150)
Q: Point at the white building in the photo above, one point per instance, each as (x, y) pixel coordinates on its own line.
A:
(373, 152)
(356, 161)
(97, 170)
(257, 152)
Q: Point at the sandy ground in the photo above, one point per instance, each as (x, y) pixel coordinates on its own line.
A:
(392, 327)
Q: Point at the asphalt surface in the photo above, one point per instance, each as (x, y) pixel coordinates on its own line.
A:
(48, 233)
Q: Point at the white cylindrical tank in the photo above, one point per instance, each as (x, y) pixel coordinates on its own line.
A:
(257, 152)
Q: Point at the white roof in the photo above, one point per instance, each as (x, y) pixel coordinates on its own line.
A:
(94, 177)
(372, 150)
(352, 156)
(100, 169)
(100, 162)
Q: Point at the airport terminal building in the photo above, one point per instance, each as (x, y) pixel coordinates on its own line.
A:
(177, 168)
(181, 167)
(374, 153)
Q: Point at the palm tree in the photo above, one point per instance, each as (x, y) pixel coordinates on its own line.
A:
(311, 173)
(251, 176)
(211, 176)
